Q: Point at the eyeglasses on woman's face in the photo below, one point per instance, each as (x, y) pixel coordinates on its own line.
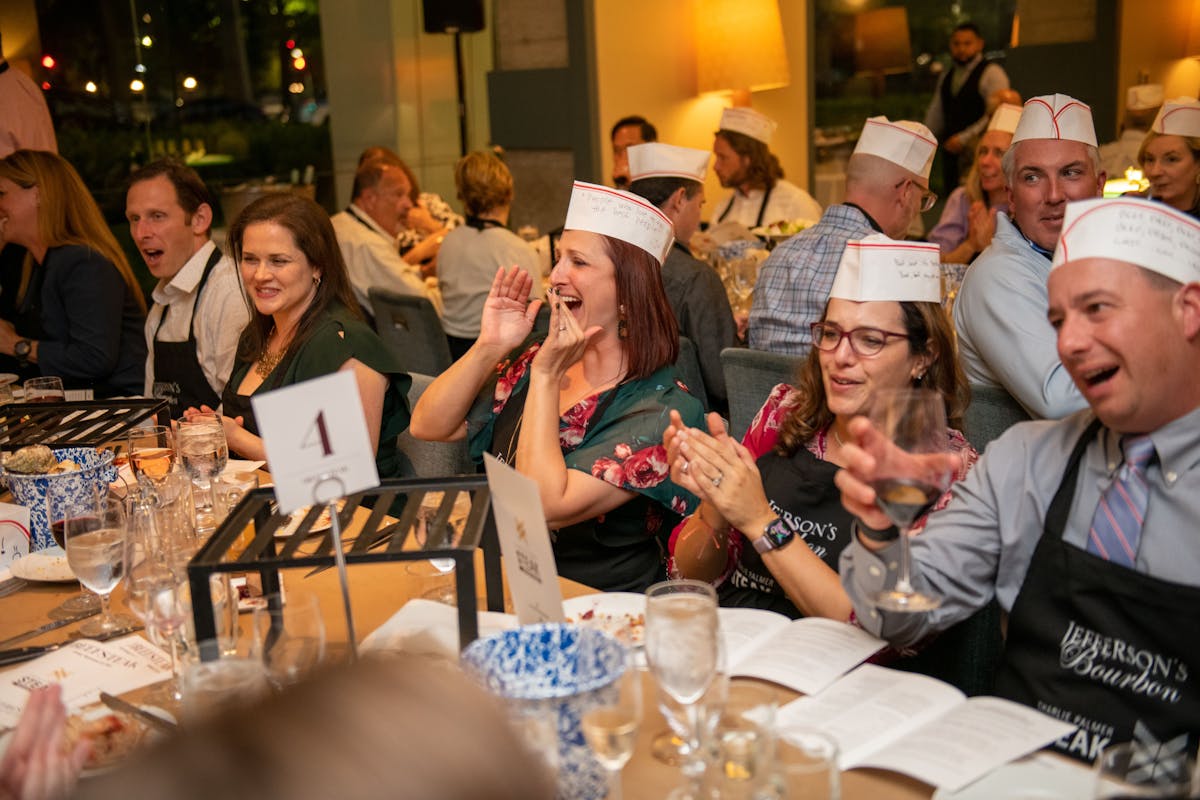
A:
(864, 341)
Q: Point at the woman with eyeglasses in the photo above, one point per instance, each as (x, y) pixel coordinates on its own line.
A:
(777, 486)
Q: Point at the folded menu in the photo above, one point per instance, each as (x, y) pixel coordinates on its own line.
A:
(84, 668)
(804, 654)
(911, 723)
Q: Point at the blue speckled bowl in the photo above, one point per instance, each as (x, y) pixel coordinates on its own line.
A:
(95, 468)
(563, 667)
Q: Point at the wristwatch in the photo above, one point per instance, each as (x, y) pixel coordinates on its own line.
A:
(885, 535)
(775, 535)
(22, 349)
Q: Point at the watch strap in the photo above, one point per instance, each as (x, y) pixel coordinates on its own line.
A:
(885, 535)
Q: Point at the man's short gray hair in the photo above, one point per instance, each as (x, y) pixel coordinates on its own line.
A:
(1009, 161)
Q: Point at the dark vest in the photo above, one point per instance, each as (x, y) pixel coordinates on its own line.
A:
(961, 109)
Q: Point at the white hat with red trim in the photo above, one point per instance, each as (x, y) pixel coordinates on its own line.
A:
(1178, 117)
(1134, 230)
(621, 215)
(909, 144)
(658, 160)
(740, 119)
(1056, 116)
(1144, 96)
(879, 268)
(1005, 118)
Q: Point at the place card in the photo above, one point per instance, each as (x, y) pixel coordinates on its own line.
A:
(316, 440)
(14, 533)
(525, 544)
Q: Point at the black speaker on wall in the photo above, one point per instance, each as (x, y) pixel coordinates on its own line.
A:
(448, 16)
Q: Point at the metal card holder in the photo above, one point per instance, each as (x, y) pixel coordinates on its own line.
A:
(380, 539)
(79, 423)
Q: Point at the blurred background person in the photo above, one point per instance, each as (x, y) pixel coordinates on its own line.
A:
(626, 132)
(777, 486)
(1142, 104)
(25, 122)
(81, 313)
(471, 253)
(306, 324)
(582, 411)
(968, 220)
(1170, 155)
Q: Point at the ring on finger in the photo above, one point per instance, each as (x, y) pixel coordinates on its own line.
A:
(717, 480)
(685, 466)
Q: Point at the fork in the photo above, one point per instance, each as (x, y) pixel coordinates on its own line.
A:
(11, 585)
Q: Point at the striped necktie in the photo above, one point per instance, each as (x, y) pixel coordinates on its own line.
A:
(1117, 525)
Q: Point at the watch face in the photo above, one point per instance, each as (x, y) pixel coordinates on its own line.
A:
(779, 532)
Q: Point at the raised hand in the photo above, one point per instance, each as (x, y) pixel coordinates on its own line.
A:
(507, 315)
(725, 474)
(981, 225)
(565, 343)
(37, 765)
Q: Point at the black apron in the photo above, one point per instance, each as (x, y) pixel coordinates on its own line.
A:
(592, 552)
(177, 364)
(802, 492)
(762, 209)
(1102, 646)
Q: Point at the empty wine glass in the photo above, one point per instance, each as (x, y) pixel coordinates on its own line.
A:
(908, 481)
(95, 540)
(683, 649)
(151, 452)
(433, 515)
(290, 638)
(611, 725)
(204, 453)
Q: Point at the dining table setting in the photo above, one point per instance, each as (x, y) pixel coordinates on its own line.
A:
(200, 594)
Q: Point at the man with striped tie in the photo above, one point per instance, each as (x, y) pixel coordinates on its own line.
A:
(1086, 530)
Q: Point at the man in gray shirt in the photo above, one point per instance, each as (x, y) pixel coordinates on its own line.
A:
(1084, 529)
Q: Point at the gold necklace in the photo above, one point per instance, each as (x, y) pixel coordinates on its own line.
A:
(268, 361)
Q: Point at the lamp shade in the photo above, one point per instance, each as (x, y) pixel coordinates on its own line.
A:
(881, 41)
(739, 45)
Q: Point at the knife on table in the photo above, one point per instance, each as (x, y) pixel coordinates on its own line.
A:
(49, 626)
(18, 654)
(126, 707)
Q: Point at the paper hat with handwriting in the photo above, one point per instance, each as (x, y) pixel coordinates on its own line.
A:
(908, 144)
(1131, 229)
(1179, 117)
(879, 268)
(1005, 118)
(750, 122)
(1144, 97)
(1056, 116)
(620, 215)
(657, 160)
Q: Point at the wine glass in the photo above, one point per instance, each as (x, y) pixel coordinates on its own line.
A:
(908, 482)
(65, 497)
(204, 453)
(290, 638)
(683, 649)
(610, 726)
(95, 543)
(741, 743)
(44, 390)
(439, 570)
(151, 452)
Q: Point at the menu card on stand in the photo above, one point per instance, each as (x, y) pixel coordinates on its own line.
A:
(525, 544)
(14, 534)
(84, 668)
(805, 654)
(911, 723)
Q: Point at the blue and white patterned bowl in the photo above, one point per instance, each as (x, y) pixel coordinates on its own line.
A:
(95, 469)
(563, 668)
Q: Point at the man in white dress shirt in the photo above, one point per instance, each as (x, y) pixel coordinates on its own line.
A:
(366, 232)
(745, 163)
(200, 308)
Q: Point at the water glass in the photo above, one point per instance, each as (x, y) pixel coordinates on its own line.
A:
(204, 453)
(44, 390)
(740, 747)
(289, 637)
(95, 544)
(1134, 769)
(211, 687)
(809, 767)
(64, 499)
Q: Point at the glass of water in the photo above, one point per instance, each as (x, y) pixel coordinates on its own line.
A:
(95, 544)
(204, 453)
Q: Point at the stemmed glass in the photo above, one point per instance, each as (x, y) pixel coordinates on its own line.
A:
(439, 569)
(63, 499)
(683, 649)
(289, 639)
(907, 485)
(95, 543)
(610, 727)
(204, 453)
(151, 452)
(44, 390)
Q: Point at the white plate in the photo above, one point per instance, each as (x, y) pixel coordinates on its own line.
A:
(620, 614)
(95, 712)
(321, 524)
(1042, 776)
(48, 565)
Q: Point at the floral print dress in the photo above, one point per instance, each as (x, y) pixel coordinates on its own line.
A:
(615, 436)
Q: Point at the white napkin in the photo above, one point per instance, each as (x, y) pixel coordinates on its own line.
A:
(426, 627)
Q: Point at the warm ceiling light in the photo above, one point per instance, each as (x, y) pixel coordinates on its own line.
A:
(90, 86)
(147, 41)
(739, 45)
(136, 85)
(189, 82)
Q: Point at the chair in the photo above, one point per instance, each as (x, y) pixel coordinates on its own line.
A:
(410, 327)
(433, 459)
(687, 367)
(750, 375)
(966, 655)
(991, 412)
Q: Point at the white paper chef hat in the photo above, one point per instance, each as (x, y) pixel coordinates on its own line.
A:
(620, 215)
(1005, 118)
(879, 268)
(909, 144)
(1056, 116)
(750, 122)
(1131, 229)
(1179, 117)
(1144, 97)
(658, 160)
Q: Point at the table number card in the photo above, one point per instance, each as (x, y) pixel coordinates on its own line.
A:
(14, 533)
(316, 440)
(525, 544)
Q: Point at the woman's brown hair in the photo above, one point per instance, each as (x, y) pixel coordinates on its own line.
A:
(651, 332)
